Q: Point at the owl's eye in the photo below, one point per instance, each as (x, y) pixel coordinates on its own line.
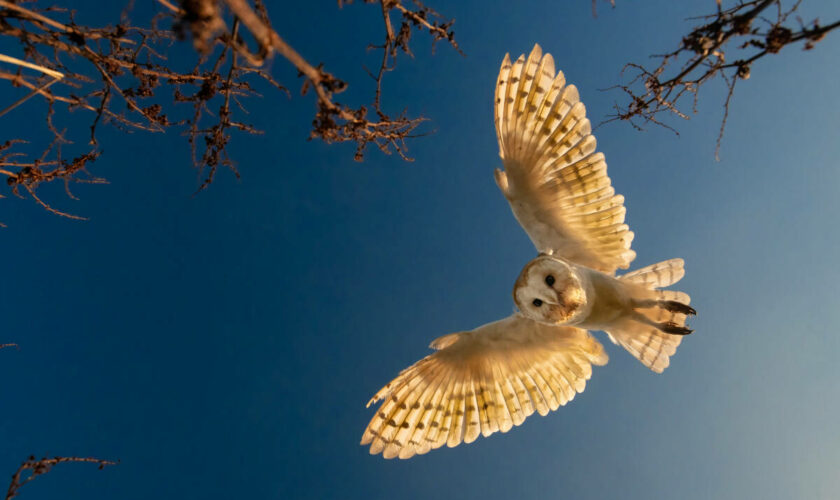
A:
(549, 280)
(537, 302)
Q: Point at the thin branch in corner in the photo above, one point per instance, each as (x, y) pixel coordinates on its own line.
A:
(727, 44)
(31, 468)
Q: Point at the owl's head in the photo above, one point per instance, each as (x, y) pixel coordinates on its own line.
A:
(548, 290)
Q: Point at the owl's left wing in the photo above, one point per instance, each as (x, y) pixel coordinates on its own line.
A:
(479, 382)
(555, 182)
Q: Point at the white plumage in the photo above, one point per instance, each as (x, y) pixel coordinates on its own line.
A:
(491, 378)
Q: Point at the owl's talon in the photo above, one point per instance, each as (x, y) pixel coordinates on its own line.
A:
(677, 307)
(675, 329)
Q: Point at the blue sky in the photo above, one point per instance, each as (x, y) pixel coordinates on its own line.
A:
(224, 345)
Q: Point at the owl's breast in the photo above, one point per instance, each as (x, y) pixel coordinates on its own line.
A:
(606, 301)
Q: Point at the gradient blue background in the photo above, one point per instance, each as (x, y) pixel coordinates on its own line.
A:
(224, 345)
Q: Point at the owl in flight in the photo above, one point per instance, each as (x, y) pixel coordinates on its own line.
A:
(493, 377)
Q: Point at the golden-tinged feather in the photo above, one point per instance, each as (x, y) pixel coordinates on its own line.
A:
(436, 436)
(471, 421)
(456, 418)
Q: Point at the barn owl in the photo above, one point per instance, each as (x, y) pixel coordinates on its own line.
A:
(491, 378)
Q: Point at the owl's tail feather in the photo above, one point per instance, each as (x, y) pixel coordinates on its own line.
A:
(664, 273)
(659, 323)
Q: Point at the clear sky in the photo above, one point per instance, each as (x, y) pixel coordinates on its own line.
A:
(224, 345)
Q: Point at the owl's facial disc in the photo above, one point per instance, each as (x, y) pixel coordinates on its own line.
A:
(548, 291)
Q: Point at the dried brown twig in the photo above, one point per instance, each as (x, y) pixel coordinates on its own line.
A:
(706, 52)
(29, 174)
(56, 76)
(32, 468)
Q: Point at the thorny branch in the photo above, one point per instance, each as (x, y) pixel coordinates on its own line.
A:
(123, 77)
(707, 52)
(32, 468)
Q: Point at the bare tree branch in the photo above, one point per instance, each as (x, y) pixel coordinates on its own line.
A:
(706, 52)
(335, 122)
(121, 75)
(32, 468)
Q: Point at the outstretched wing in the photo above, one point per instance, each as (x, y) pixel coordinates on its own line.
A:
(556, 183)
(479, 382)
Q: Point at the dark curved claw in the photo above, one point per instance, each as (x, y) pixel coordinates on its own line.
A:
(677, 307)
(675, 329)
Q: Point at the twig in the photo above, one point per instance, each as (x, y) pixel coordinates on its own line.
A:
(13, 60)
(57, 75)
(36, 468)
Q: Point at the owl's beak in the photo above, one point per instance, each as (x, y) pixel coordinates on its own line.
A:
(568, 302)
(562, 312)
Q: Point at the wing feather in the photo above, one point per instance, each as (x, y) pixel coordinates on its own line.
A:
(456, 426)
(471, 420)
(533, 392)
(546, 385)
(415, 422)
(436, 437)
(480, 382)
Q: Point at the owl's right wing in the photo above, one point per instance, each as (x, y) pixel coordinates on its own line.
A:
(479, 382)
(555, 182)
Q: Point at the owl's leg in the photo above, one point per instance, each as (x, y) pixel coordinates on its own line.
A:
(665, 326)
(668, 305)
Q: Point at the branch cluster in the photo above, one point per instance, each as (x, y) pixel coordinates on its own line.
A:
(121, 75)
(27, 175)
(334, 121)
(750, 29)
